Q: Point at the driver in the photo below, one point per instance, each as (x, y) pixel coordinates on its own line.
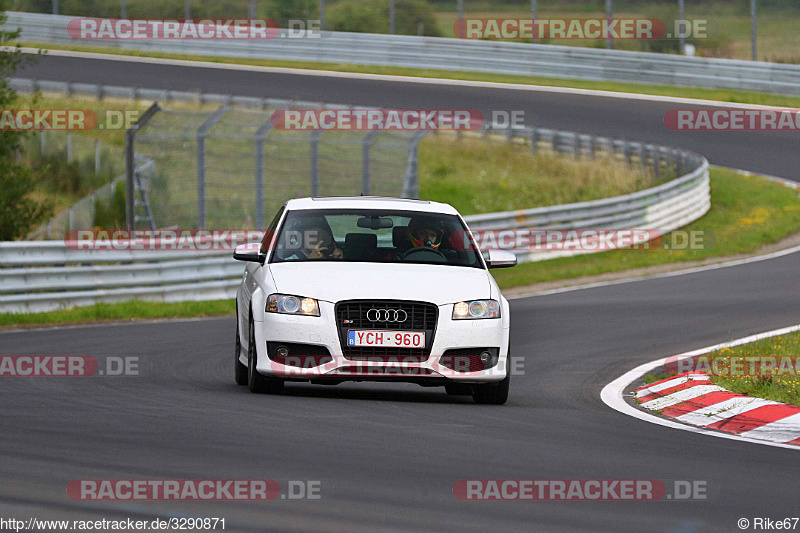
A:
(425, 231)
(317, 241)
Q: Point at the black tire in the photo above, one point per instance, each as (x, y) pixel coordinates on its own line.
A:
(255, 381)
(458, 389)
(494, 394)
(240, 372)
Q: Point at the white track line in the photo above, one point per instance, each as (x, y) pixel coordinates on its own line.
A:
(398, 79)
(612, 394)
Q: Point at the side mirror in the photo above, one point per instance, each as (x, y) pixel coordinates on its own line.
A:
(249, 252)
(499, 259)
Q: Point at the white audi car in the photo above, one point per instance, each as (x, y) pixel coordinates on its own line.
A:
(372, 289)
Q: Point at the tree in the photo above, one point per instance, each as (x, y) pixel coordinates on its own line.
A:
(18, 212)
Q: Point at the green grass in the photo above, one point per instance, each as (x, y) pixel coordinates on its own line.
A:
(782, 386)
(486, 176)
(722, 95)
(132, 310)
(746, 213)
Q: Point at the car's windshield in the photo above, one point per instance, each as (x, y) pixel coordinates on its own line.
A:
(375, 236)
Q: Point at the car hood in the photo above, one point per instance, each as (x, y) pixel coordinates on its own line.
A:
(334, 282)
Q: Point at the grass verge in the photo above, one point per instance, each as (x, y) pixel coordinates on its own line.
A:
(480, 176)
(131, 310)
(780, 385)
(722, 95)
(746, 213)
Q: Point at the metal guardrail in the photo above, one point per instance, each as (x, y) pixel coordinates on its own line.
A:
(460, 55)
(46, 275)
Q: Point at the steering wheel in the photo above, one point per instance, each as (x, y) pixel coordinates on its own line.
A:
(421, 250)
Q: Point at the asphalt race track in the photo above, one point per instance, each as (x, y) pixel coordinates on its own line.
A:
(772, 153)
(387, 456)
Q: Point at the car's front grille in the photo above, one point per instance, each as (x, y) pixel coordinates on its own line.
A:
(420, 316)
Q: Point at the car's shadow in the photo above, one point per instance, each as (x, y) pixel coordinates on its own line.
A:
(370, 392)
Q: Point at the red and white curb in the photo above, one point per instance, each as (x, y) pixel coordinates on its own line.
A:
(690, 402)
(693, 399)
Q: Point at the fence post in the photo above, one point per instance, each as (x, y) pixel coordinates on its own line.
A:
(201, 162)
(366, 185)
(411, 181)
(261, 133)
(130, 164)
(96, 157)
(314, 149)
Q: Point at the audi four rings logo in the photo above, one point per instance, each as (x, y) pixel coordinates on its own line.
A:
(386, 315)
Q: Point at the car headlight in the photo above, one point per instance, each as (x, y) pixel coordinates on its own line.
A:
(476, 309)
(292, 305)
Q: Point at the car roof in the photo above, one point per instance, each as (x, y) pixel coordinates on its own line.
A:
(370, 202)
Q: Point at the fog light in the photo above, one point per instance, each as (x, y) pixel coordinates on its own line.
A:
(283, 351)
(486, 357)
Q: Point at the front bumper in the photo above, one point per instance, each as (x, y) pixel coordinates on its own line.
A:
(322, 331)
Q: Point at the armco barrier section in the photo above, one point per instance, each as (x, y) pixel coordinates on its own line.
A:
(457, 54)
(46, 275)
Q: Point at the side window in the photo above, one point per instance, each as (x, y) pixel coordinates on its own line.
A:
(271, 229)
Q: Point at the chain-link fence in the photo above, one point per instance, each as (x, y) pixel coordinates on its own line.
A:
(230, 168)
(103, 162)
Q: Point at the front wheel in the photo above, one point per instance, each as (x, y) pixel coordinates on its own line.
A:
(240, 372)
(255, 381)
(494, 394)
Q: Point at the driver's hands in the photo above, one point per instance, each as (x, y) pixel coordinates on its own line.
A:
(318, 252)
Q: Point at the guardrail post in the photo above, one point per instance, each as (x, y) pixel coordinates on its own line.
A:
(534, 134)
(43, 142)
(130, 163)
(261, 133)
(369, 138)
(314, 155)
(69, 147)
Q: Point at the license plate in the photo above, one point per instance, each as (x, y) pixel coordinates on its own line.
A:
(383, 338)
